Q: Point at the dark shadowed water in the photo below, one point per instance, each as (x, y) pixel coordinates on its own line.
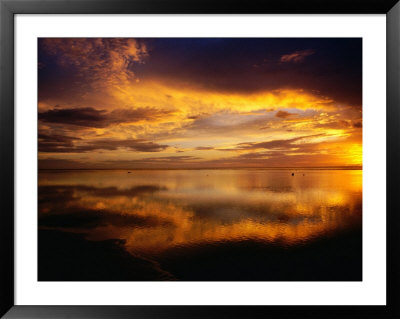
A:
(243, 224)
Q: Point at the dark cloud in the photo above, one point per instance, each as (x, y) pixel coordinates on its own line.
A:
(133, 144)
(274, 144)
(65, 144)
(54, 142)
(283, 114)
(88, 117)
(91, 117)
(357, 124)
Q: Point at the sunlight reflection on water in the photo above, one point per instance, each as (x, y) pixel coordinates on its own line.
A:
(154, 210)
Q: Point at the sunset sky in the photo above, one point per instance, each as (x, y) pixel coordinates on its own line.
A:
(199, 103)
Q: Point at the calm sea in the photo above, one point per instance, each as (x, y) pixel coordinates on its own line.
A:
(214, 224)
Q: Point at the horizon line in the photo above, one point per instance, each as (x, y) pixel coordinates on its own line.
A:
(356, 167)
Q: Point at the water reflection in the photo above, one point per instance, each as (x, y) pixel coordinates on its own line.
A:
(157, 210)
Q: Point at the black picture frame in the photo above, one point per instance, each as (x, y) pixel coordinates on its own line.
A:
(9, 8)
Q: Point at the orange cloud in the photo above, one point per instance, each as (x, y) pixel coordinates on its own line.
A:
(117, 119)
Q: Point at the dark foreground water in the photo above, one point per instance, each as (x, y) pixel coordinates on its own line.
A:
(244, 224)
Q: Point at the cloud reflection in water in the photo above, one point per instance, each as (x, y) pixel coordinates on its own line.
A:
(156, 210)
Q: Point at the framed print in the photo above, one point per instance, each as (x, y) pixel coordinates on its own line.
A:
(166, 159)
